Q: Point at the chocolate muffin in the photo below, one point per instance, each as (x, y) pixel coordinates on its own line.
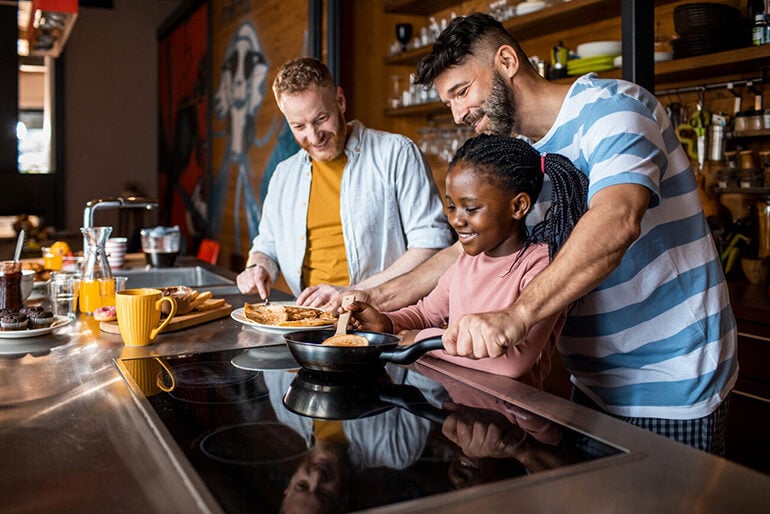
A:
(29, 309)
(14, 321)
(40, 319)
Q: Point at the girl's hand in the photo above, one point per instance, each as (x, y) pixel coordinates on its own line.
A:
(407, 336)
(366, 317)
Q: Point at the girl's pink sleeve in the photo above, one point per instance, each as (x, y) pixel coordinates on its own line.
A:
(431, 311)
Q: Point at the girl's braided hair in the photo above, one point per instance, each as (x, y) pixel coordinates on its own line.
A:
(514, 166)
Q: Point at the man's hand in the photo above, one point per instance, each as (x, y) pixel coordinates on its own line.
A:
(359, 294)
(487, 334)
(255, 280)
(482, 433)
(321, 296)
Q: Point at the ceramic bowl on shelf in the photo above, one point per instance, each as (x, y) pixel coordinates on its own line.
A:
(596, 48)
(529, 6)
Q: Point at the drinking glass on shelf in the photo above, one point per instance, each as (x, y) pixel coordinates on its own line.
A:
(404, 35)
(395, 100)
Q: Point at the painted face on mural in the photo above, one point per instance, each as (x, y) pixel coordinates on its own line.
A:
(247, 67)
(316, 117)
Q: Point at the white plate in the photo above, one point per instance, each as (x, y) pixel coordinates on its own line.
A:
(59, 321)
(529, 6)
(595, 48)
(240, 317)
(265, 358)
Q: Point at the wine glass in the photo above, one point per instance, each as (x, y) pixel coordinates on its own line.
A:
(404, 34)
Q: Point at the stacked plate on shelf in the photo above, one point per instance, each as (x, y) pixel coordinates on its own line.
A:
(594, 56)
(705, 28)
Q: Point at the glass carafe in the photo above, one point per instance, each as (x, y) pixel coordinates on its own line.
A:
(95, 268)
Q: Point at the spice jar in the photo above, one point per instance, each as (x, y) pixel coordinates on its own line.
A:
(764, 162)
(10, 286)
(749, 178)
(746, 160)
(725, 177)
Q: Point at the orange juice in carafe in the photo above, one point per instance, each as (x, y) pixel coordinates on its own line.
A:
(95, 268)
(90, 296)
(107, 292)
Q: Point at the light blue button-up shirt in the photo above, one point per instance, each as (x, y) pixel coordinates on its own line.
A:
(388, 204)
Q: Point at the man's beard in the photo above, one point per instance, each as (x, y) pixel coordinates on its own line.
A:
(500, 108)
(337, 140)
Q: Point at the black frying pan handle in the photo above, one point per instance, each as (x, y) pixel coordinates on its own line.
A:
(421, 408)
(409, 354)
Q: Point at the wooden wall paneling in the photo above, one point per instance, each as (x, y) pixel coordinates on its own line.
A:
(244, 152)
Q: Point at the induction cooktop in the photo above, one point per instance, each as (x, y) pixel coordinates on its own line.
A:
(265, 436)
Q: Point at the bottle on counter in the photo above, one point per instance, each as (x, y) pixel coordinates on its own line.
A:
(10, 286)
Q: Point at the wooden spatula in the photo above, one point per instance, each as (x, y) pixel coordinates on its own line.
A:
(341, 337)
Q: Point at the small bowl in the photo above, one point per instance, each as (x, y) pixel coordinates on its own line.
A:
(27, 282)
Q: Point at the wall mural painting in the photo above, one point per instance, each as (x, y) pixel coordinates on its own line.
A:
(184, 179)
(249, 136)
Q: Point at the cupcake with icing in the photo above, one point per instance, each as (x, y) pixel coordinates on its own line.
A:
(14, 321)
(29, 309)
(40, 319)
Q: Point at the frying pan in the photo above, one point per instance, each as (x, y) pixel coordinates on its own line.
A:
(307, 349)
(338, 396)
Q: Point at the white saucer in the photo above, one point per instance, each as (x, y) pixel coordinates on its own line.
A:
(265, 358)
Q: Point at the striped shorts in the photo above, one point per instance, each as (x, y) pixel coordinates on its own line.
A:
(706, 433)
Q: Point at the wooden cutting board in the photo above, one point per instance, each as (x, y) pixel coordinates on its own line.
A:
(179, 322)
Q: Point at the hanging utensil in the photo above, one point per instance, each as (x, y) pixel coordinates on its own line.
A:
(699, 120)
(19, 246)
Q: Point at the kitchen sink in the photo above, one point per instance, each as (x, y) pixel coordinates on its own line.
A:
(192, 276)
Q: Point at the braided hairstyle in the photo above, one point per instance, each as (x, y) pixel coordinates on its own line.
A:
(515, 167)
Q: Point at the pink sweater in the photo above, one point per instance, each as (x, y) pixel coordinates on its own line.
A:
(482, 284)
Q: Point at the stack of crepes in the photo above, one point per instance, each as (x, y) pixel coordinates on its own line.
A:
(287, 315)
(189, 300)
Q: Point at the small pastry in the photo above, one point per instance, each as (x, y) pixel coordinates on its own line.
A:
(105, 314)
(14, 321)
(29, 309)
(40, 319)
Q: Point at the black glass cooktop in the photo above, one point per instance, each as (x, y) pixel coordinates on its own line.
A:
(267, 437)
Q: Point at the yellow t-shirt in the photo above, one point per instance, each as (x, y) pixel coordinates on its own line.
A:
(330, 431)
(325, 259)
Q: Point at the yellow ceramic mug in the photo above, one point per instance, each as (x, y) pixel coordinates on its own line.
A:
(139, 314)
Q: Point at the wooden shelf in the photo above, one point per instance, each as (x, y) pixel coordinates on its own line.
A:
(710, 66)
(423, 7)
(761, 191)
(749, 133)
(426, 109)
(548, 20)
(410, 57)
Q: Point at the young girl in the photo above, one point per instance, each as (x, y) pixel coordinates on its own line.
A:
(491, 186)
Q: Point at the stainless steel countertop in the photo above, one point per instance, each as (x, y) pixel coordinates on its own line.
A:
(74, 440)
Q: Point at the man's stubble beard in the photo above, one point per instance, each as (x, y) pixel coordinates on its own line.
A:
(500, 108)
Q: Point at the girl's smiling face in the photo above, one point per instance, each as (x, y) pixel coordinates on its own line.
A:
(486, 218)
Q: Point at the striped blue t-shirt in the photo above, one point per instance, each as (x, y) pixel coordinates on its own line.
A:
(657, 338)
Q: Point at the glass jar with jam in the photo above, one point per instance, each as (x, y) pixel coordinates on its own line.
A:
(10, 286)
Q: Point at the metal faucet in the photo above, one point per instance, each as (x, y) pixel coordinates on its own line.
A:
(114, 203)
